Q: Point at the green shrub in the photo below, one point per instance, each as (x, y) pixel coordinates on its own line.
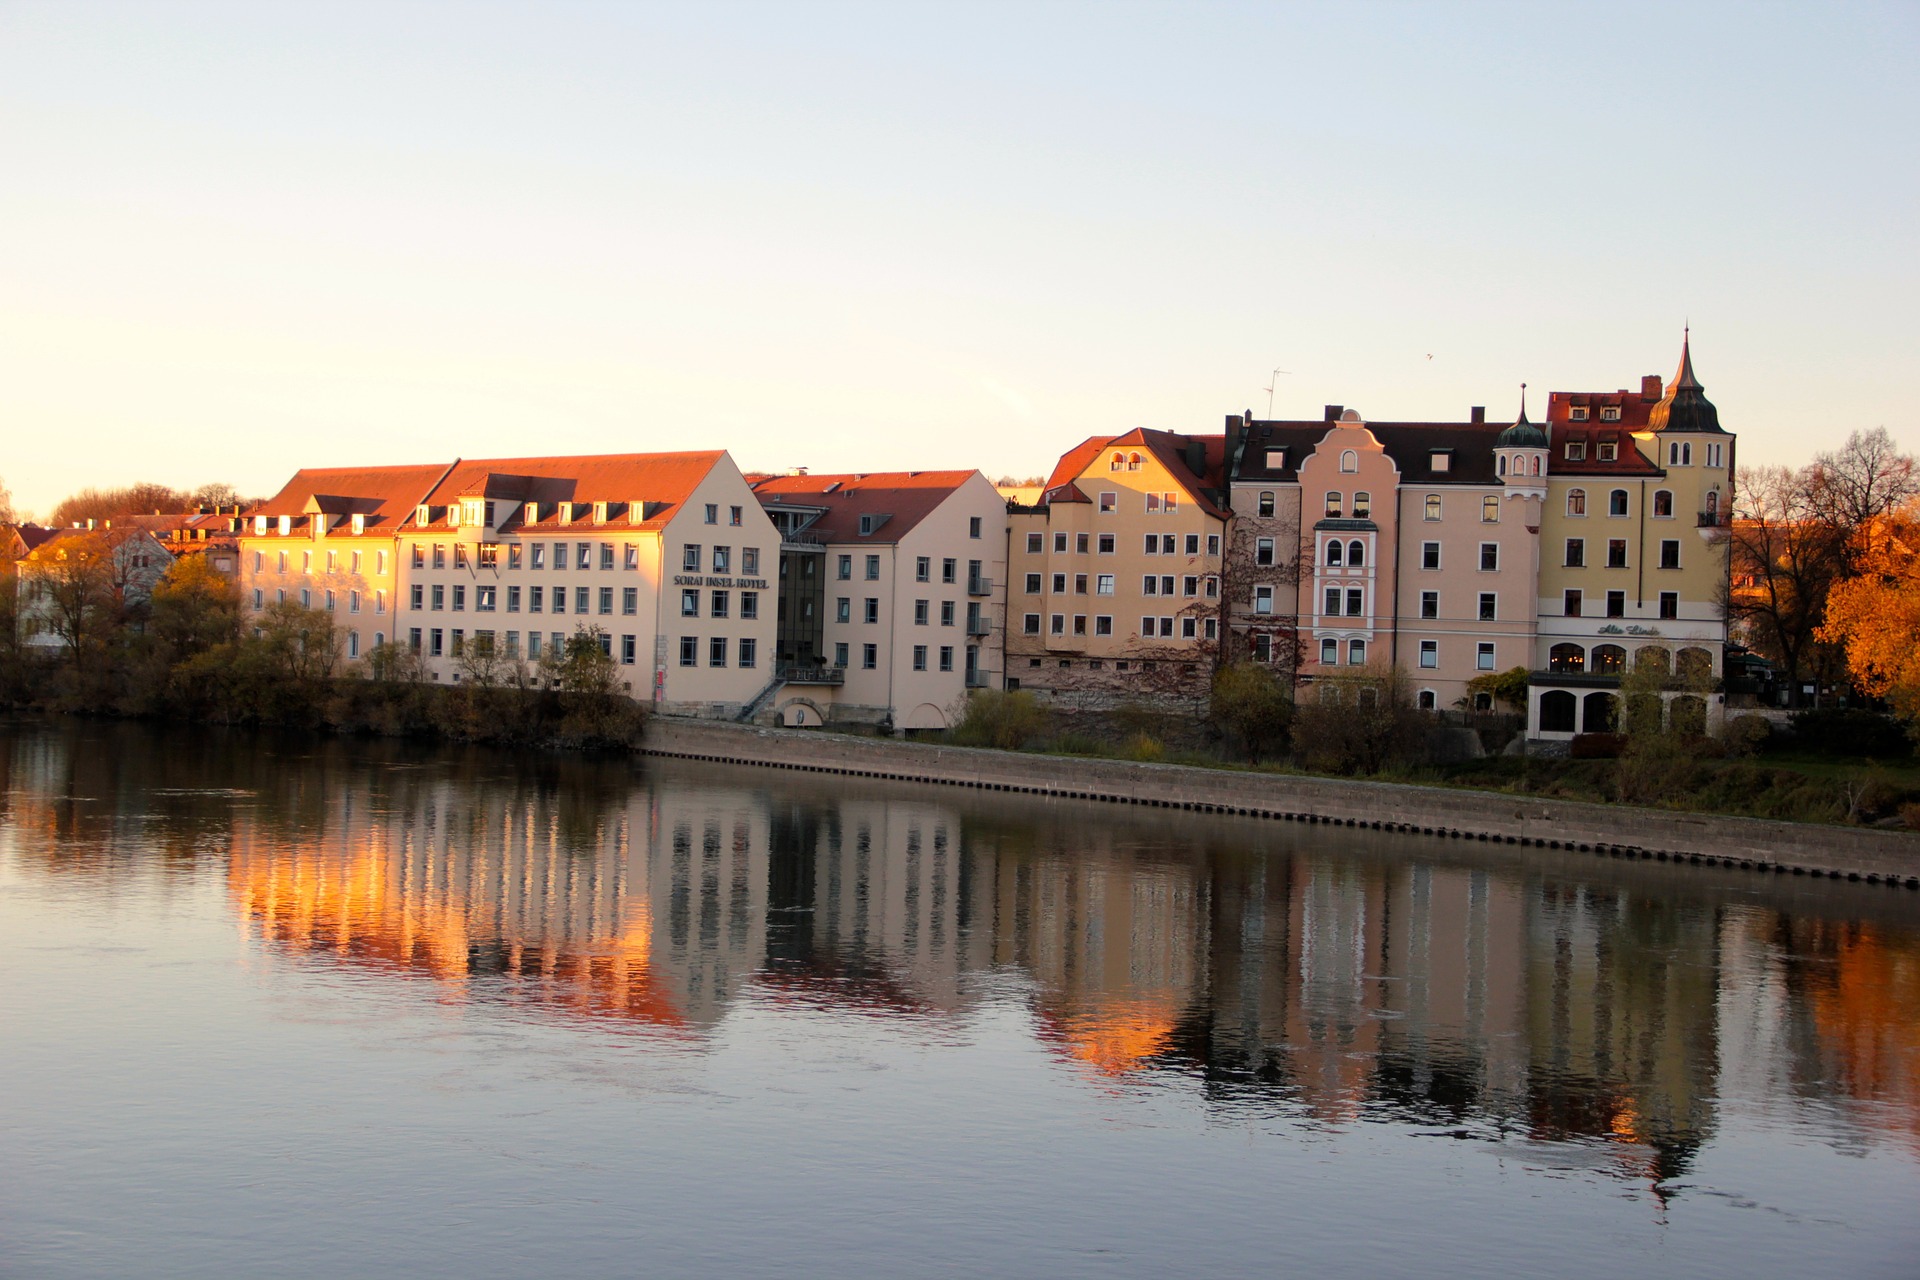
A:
(1142, 746)
(1003, 718)
(1850, 732)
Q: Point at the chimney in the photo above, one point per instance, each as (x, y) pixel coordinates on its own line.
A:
(1650, 387)
(796, 471)
(1334, 411)
(1197, 458)
(1479, 413)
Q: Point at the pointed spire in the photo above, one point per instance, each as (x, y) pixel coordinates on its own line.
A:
(1685, 378)
(1521, 421)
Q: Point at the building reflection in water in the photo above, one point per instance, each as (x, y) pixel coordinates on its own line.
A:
(1316, 978)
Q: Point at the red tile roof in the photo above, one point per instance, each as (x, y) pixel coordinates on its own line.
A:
(904, 497)
(661, 481)
(1634, 409)
(386, 496)
(1169, 448)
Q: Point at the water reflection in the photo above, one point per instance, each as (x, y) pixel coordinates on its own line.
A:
(1308, 978)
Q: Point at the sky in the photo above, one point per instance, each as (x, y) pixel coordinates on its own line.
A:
(240, 239)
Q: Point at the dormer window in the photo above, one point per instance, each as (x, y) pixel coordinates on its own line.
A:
(1133, 462)
(1610, 413)
(1119, 461)
(1576, 451)
(259, 526)
(1440, 460)
(866, 525)
(470, 511)
(286, 525)
(359, 526)
(1609, 451)
(1578, 413)
(599, 513)
(421, 516)
(1276, 459)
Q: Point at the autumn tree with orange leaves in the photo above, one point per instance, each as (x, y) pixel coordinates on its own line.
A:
(1875, 615)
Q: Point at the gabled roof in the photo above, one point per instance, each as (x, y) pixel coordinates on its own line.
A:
(50, 547)
(386, 496)
(661, 481)
(1411, 445)
(1169, 448)
(904, 497)
(30, 535)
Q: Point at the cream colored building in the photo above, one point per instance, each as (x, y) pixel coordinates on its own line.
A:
(893, 595)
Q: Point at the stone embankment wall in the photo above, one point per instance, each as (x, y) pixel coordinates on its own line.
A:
(1850, 853)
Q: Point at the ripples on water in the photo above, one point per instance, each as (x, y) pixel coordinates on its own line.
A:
(286, 1007)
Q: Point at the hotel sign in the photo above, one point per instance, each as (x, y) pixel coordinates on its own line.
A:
(696, 580)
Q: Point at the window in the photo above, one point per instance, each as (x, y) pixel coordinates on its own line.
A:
(1354, 598)
(919, 657)
(1429, 654)
(1679, 453)
(1616, 604)
(843, 609)
(1212, 587)
(721, 605)
(1080, 543)
(379, 606)
(1108, 501)
(1489, 557)
(869, 656)
(947, 570)
(413, 639)
(870, 610)
(1335, 504)
(1570, 603)
(1030, 624)
(630, 601)
(920, 613)
(733, 518)
(1576, 502)
(1190, 585)
(1489, 605)
(1133, 462)
(627, 648)
(1057, 624)
(1103, 624)
(353, 644)
(1576, 451)
(1152, 546)
(1567, 659)
(1106, 544)
(1576, 553)
(1266, 502)
(946, 657)
(1150, 584)
(840, 654)
(1609, 451)
(1669, 605)
(1263, 600)
(580, 598)
(1149, 626)
(533, 645)
(484, 598)
(1330, 602)
(1662, 504)
(1362, 506)
(1715, 455)
(1263, 551)
(1060, 584)
(1189, 628)
(1429, 555)
(1429, 604)
(1349, 461)
(1617, 502)
(922, 568)
(1060, 543)
(689, 602)
(1483, 656)
(1356, 554)
(1035, 545)
(1334, 550)
(1079, 584)
(415, 602)
(1103, 584)
(1440, 460)
(533, 598)
(1616, 553)
(843, 570)
(946, 613)
(1490, 509)
(539, 556)
(606, 557)
(419, 558)
(1431, 510)
(1033, 584)
(1330, 652)
(1357, 652)
(750, 605)
(873, 568)
(689, 557)
(436, 643)
(717, 651)
(606, 600)
(1670, 553)
(713, 513)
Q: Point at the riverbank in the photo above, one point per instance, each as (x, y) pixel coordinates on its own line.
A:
(1782, 848)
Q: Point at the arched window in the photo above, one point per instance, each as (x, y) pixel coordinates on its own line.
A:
(1654, 656)
(1333, 505)
(1133, 462)
(1266, 502)
(1692, 662)
(1349, 461)
(1119, 461)
(1597, 713)
(1536, 464)
(1663, 504)
(1333, 552)
(1490, 509)
(1483, 702)
(1567, 659)
(1433, 506)
(1556, 711)
(1362, 505)
(1713, 504)
(1428, 701)
(1617, 502)
(1609, 660)
(1576, 502)
(1503, 464)
(1356, 554)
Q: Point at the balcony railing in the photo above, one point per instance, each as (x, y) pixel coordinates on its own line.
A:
(821, 673)
(1714, 519)
(979, 626)
(977, 680)
(979, 586)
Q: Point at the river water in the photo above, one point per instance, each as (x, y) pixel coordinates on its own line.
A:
(289, 1007)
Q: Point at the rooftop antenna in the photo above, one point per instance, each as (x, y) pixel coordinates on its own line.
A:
(1273, 380)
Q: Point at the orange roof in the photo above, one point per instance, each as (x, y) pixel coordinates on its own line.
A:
(386, 496)
(904, 497)
(1169, 448)
(662, 481)
(48, 546)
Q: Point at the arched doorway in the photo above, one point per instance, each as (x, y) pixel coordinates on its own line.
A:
(1556, 711)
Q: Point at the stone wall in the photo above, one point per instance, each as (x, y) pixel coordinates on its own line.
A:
(1880, 857)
